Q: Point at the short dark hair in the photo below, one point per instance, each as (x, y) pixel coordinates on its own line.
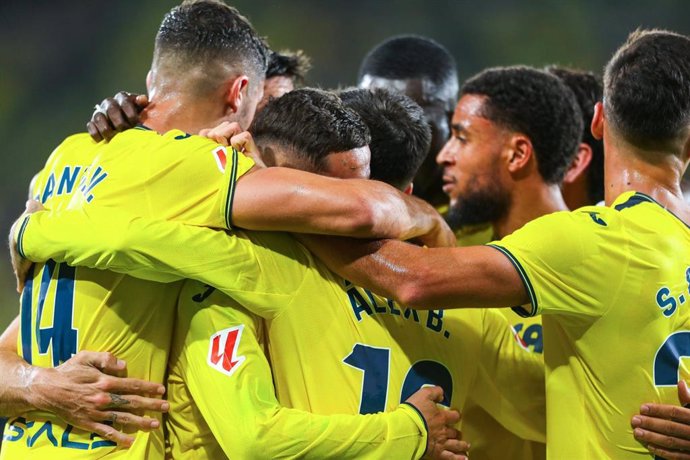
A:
(537, 104)
(293, 65)
(410, 57)
(312, 124)
(211, 35)
(400, 136)
(588, 90)
(647, 88)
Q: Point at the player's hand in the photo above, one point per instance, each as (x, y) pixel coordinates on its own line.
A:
(443, 440)
(20, 265)
(116, 114)
(440, 235)
(244, 142)
(91, 388)
(665, 429)
(222, 133)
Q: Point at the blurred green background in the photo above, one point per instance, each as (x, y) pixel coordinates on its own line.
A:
(58, 58)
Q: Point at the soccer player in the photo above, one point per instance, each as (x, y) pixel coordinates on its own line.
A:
(610, 281)
(331, 140)
(488, 180)
(374, 347)
(425, 71)
(65, 310)
(583, 183)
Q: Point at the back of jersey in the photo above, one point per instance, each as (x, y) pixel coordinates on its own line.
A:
(65, 309)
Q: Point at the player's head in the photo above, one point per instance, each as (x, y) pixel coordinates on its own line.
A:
(311, 130)
(206, 51)
(425, 71)
(400, 136)
(286, 71)
(584, 180)
(512, 126)
(647, 96)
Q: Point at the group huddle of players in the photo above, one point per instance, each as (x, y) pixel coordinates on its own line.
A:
(210, 271)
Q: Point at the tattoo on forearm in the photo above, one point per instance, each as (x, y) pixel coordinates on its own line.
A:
(117, 400)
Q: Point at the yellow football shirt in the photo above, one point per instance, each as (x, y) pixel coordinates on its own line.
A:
(335, 348)
(611, 284)
(66, 309)
(491, 440)
(223, 400)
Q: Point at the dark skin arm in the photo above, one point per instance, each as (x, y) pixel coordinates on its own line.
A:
(478, 276)
(116, 114)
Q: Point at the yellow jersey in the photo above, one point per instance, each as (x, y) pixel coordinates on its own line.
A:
(611, 284)
(223, 403)
(371, 352)
(66, 309)
(491, 440)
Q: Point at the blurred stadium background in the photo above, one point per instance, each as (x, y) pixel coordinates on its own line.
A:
(59, 57)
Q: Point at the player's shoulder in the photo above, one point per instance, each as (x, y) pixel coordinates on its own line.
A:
(76, 144)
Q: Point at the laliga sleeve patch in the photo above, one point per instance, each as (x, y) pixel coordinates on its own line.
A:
(222, 352)
(221, 156)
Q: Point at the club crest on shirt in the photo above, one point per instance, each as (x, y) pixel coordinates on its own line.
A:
(222, 352)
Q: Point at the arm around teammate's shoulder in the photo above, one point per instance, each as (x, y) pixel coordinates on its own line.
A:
(429, 278)
(292, 200)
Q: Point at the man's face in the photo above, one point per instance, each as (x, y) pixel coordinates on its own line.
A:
(275, 87)
(473, 176)
(437, 104)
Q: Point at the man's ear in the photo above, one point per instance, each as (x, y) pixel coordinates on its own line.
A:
(236, 92)
(408, 189)
(149, 79)
(520, 153)
(579, 165)
(597, 126)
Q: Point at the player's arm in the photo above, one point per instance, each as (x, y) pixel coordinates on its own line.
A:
(296, 201)
(478, 276)
(237, 399)
(280, 199)
(85, 391)
(110, 239)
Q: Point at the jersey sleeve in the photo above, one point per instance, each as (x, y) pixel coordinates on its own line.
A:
(192, 179)
(510, 381)
(560, 258)
(111, 239)
(236, 397)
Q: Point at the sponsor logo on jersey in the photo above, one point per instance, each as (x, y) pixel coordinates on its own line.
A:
(222, 351)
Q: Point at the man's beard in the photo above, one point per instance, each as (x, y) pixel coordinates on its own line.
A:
(479, 205)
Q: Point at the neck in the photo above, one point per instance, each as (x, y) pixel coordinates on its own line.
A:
(626, 170)
(176, 111)
(529, 202)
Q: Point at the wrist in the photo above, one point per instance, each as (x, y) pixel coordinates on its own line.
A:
(34, 382)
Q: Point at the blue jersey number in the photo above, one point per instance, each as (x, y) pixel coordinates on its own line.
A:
(667, 359)
(61, 335)
(375, 365)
